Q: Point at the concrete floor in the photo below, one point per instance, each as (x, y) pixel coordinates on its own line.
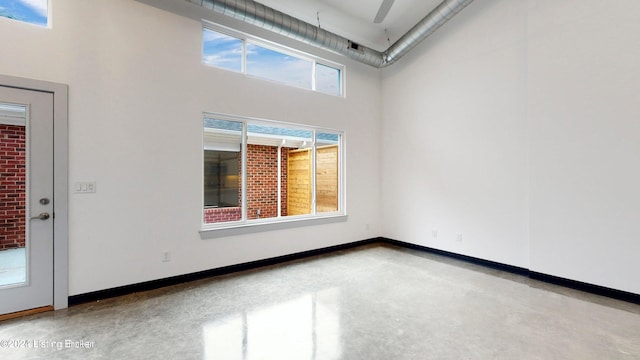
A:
(12, 266)
(373, 302)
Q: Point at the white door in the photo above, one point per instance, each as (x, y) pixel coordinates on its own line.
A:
(26, 199)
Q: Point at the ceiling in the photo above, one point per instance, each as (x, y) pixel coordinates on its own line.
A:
(354, 19)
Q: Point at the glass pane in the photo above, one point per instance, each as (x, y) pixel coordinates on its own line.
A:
(30, 11)
(299, 181)
(296, 172)
(13, 194)
(273, 65)
(221, 50)
(327, 172)
(221, 178)
(328, 80)
(273, 187)
(222, 171)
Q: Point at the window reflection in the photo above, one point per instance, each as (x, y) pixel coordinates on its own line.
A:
(222, 171)
(307, 327)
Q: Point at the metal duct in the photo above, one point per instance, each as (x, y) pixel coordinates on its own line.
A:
(278, 22)
(425, 27)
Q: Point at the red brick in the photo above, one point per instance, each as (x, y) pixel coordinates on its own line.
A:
(12, 168)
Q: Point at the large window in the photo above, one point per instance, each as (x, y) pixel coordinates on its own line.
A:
(29, 11)
(257, 170)
(236, 52)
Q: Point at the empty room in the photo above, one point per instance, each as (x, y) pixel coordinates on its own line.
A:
(319, 179)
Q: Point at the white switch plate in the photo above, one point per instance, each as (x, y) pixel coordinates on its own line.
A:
(84, 187)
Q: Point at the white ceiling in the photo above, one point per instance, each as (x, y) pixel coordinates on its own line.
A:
(353, 19)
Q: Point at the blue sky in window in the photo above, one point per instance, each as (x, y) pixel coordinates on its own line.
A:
(222, 51)
(327, 79)
(273, 65)
(225, 52)
(30, 11)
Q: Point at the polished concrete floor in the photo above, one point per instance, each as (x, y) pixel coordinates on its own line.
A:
(372, 302)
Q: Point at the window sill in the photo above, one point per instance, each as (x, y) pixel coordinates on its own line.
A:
(268, 225)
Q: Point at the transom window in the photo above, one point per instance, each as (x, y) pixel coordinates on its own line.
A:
(237, 52)
(261, 171)
(30, 11)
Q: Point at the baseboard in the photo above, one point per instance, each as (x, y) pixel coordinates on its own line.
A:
(586, 287)
(174, 280)
(19, 314)
(179, 279)
(469, 259)
(573, 284)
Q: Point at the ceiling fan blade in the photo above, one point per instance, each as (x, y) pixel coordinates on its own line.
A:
(383, 11)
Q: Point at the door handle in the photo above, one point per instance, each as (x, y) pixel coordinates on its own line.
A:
(42, 216)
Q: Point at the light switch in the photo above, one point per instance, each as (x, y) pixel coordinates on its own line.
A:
(85, 187)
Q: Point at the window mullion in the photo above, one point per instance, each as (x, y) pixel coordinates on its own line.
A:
(313, 174)
(244, 56)
(341, 174)
(244, 170)
(279, 210)
(313, 75)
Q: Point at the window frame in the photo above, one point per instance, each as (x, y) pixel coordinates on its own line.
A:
(246, 225)
(270, 45)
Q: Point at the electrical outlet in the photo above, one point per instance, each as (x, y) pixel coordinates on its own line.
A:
(459, 237)
(434, 233)
(166, 256)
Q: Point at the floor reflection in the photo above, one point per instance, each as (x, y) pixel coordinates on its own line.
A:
(307, 327)
(12, 267)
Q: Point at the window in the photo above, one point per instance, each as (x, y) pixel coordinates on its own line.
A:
(261, 171)
(257, 58)
(29, 11)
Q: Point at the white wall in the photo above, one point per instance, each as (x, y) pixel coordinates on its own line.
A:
(454, 148)
(137, 90)
(584, 91)
(517, 125)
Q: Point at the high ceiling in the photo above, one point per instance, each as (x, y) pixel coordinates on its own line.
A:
(354, 19)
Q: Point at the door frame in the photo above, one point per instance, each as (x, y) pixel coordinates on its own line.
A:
(60, 219)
